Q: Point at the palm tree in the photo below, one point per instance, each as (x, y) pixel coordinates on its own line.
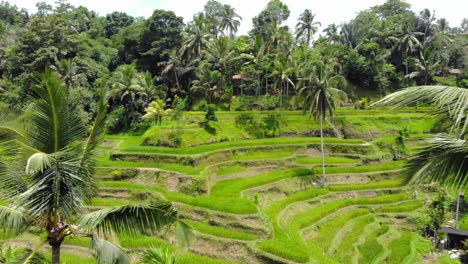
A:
(407, 42)
(220, 53)
(155, 112)
(176, 68)
(444, 160)
(319, 97)
(194, 43)
(69, 71)
(53, 187)
(127, 90)
(350, 35)
(282, 72)
(149, 90)
(425, 22)
(425, 65)
(306, 25)
(331, 32)
(383, 35)
(229, 20)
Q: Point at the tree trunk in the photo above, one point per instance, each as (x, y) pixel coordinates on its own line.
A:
(322, 182)
(56, 254)
(281, 100)
(406, 62)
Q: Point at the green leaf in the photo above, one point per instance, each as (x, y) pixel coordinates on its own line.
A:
(107, 252)
(130, 219)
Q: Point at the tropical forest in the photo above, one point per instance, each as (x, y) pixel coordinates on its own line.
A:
(163, 140)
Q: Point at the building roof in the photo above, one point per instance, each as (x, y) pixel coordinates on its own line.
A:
(454, 71)
(454, 231)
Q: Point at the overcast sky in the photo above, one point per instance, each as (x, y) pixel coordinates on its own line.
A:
(328, 11)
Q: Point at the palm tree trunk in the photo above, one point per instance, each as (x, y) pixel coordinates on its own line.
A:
(56, 254)
(281, 100)
(406, 62)
(177, 81)
(322, 182)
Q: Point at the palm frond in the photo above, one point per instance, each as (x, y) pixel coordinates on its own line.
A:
(444, 161)
(130, 219)
(28, 256)
(38, 162)
(61, 186)
(107, 252)
(155, 255)
(53, 121)
(87, 162)
(452, 101)
(13, 219)
(184, 234)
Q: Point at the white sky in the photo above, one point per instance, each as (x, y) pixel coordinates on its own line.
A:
(328, 11)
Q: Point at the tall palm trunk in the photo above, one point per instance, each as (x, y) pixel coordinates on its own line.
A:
(406, 61)
(56, 254)
(281, 99)
(322, 182)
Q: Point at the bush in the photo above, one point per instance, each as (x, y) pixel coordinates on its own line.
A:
(116, 121)
(211, 113)
(268, 102)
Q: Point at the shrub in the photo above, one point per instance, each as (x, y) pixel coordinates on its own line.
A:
(268, 102)
(116, 121)
(210, 113)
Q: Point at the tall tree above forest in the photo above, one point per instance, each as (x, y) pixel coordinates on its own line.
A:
(161, 35)
(116, 21)
(45, 41)
(275, 13)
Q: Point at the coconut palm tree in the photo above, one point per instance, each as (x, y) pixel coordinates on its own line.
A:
(149, 90)
(306, 26)
(425, 66)
(331, 33)
(220, 53)
(126, 90)
(194, 43)
(407, 42)
(176, 68)
(444, 160)
(47, 177)
(319, 97)
(155, 112)
(229, 20)
(282, 72)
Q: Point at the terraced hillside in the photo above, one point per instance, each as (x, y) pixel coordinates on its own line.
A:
(253, 200)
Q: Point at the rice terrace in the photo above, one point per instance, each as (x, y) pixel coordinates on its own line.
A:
(128, 137)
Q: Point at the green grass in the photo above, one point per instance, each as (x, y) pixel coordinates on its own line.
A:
(190, 258)
(225, 170)
(131, 144)
(320, 244)
(368, 186)
(408, 248)
(262, 155)
(371, 249)
(105, 162)
(66, 258)
(347, 249)
(220, 231)
(402, 207)
(287, 242)
(393, 165)
(142, 241)
(328, 160)
(225, 195)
